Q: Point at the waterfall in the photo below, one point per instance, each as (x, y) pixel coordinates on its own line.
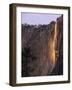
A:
(55, 42)
(52, 45)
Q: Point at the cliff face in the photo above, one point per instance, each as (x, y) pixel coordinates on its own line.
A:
(42, 49)
(58, 69)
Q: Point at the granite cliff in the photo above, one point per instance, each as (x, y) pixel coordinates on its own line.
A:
(42, 49)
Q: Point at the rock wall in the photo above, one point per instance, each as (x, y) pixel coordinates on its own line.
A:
(42, 49)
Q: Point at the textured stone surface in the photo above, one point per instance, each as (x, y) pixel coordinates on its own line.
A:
(38, 55)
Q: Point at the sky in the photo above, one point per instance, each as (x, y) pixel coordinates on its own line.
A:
(38, 18)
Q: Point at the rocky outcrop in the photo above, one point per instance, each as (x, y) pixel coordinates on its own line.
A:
(42, 49)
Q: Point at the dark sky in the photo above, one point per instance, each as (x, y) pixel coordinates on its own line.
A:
(38, 18)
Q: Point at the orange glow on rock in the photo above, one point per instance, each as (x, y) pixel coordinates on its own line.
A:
(52, 45)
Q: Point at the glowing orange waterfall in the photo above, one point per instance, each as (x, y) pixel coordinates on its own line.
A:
(55, 43)
(52, 45)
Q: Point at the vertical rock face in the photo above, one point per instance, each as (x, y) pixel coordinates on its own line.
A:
(58, 69)
(42, 49)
